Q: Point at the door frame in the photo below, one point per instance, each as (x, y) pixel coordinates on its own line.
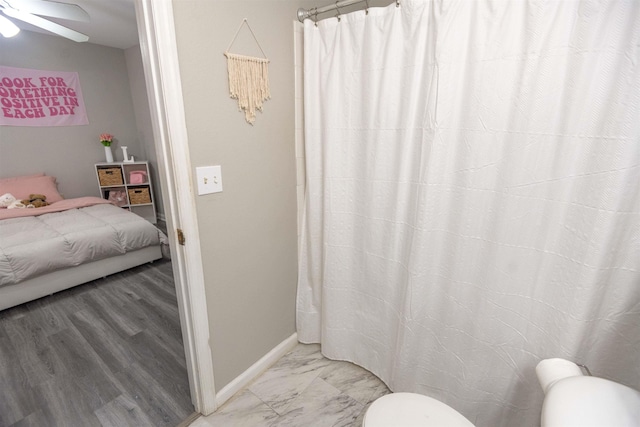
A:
(159, 51)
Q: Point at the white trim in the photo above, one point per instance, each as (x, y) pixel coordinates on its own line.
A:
(162, 75)
(255, 370)
(161, 216)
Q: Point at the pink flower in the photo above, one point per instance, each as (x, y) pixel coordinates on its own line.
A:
(106, 139)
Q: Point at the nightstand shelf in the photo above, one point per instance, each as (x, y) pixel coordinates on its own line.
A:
(114, 179)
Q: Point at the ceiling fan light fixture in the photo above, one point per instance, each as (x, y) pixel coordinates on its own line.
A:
(8, 28)
(45, 24)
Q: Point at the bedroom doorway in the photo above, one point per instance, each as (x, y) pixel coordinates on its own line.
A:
(162, 76)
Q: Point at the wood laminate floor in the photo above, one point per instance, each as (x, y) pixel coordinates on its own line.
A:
(106, 353)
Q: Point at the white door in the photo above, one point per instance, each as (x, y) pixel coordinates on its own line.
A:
(162, 75)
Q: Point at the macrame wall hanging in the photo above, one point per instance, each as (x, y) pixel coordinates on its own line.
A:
(248, 79)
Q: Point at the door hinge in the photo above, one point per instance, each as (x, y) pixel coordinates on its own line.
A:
(180, 236)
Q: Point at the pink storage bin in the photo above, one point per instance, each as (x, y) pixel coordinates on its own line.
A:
(137, 177)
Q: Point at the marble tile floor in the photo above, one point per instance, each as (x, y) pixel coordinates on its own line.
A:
(302, 389)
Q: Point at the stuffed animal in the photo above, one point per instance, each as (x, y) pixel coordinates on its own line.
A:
(6, 200)
(17, 204)
(35, 201)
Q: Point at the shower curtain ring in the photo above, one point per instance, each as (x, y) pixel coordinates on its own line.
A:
(397, 3)
(366, 9)
(315, 16)
(338, 9)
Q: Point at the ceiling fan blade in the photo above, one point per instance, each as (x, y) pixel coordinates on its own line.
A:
(46, 25)
(8, 28)
(51, 9)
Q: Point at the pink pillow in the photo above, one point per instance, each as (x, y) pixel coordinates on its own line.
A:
(21, 187)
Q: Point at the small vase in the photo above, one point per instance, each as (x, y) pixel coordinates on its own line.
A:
(108, 154)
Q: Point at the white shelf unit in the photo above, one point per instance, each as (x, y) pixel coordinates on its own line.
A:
(107, 175)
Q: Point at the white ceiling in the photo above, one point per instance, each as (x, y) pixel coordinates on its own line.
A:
(113, 22)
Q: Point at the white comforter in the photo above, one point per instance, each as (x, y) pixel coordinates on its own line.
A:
(34, 245)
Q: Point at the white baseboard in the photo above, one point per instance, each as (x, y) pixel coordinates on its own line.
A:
(255, 370)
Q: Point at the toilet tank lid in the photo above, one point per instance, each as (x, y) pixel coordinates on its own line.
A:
(590, 401)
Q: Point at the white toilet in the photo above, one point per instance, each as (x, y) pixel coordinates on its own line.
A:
(571, 400)
(412, 410)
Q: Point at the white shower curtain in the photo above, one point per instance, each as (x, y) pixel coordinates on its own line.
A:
(473, 197)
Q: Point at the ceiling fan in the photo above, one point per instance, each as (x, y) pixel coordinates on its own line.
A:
(30, 11)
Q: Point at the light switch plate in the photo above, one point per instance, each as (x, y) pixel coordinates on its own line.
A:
(209, 179)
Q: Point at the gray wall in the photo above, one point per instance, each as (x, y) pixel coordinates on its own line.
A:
(248, 232)
(69, 152)
(144, 126)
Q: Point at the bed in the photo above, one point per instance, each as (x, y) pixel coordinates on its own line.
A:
(70, 242)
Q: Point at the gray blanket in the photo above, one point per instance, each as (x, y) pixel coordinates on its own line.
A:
(31, 246)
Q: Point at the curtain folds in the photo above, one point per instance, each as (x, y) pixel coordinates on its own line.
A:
(473, 196)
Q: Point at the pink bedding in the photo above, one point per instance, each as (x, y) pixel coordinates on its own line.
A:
(62, 205)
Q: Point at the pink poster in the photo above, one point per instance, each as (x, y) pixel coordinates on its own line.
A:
(40, 98)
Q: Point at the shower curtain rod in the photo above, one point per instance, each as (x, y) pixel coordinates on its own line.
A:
(308, 13)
